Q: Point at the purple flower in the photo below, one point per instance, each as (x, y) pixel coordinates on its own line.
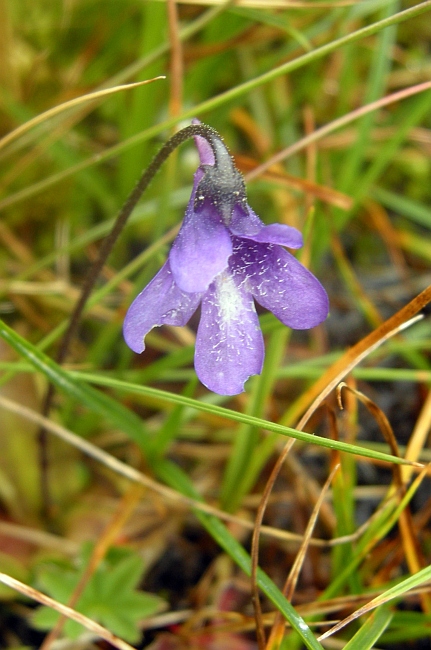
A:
(224, 258)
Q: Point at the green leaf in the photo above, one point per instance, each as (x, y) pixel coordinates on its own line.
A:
(110, 596)
(124, 577)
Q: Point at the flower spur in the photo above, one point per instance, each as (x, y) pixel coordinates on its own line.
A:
(224, 258)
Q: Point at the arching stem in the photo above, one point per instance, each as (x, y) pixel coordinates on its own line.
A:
(106, 247)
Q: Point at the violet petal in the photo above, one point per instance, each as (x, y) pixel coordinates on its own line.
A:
(229, 343)
(280, 283)
(201, 249)
(160, 303)
(279, 233)
(245, 222)
(206, 154)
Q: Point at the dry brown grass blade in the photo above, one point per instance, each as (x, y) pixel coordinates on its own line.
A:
(418, 437)
(41, 598)
(310, 176)
(381, 599)
(255, 132)
(325, 194)
(56, 110)
(389, 235)
(176, 63)
(39, 538)
(135, 476)
(412, 550)
(354, 355)
(321, 389)
(338, 124)
(277, 632)
(381, 419)
(110, 461)
(347, 601)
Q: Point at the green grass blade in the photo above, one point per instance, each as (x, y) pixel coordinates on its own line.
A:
(403, 587)
(71, 382)
(235, 416)
(131, 424)
(419, 107)
(379, 69)
(371, 631)
(407, 207)
(98, 402)
(220, 100)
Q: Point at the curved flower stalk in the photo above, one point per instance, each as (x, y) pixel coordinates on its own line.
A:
(225, 258)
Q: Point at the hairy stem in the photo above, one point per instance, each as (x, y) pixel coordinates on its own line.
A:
(105, 250)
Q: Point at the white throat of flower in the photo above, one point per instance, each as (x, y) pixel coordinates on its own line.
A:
(229, 299)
